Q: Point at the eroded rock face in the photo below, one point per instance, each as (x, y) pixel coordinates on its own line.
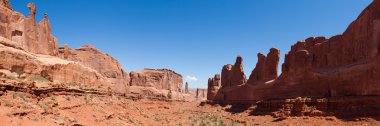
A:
(6, 4)
(158, 78)
(266, 68)
(30, 36)
(93, 58)
(233, 75)
(187, 88)
(21, 38)
(214, 85)
(226, 75)
(51, 68)
(343, 65)
(238, 77)
(201, 93)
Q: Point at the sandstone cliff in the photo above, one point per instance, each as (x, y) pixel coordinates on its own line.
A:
(343, 65)
(26, 32)
(30, 47)
(214, 85)
(158, 78)
(266, 68)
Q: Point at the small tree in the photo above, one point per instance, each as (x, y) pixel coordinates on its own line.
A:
(19, 73)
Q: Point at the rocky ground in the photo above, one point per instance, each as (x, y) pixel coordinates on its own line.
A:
(23, 104)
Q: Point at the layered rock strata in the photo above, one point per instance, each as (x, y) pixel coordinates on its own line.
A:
(30, 47)
(213, 87)
(158, 78)
(343, 65)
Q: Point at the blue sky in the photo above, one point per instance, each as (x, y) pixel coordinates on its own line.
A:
(193, 37)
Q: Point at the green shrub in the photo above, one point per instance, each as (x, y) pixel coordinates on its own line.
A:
(22, 96)
(19, 73)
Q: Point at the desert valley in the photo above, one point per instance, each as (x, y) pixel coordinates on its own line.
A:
(323, 81)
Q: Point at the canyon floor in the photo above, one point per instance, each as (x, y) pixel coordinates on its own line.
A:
(55, 108)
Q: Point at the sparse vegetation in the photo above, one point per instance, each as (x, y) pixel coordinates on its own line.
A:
(38, 78)
(68, 98)
(72, 84)
(10, 77)
(14, 96)
(7, 103)
(22, 96)
(87, 99)
(207, 120)
(19, 73)
(25, 106)
(45, 106)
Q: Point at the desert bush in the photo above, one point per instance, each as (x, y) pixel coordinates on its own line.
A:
(11, 77)
(22, 96)
(72, 84)
(7, 103)
(25, 106)
(53, 98)
(207, 120)
(14, 96)
(87, 99)
(38, 78)
(68, 98)
(19, 73)
(45, 106)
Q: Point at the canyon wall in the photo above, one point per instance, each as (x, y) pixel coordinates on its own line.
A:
(343, 65)
(158, 78)
(30, 47)
(214, 85)
(26, 32)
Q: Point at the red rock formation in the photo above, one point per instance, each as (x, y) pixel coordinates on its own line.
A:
(6, 4)
(201, 93)
(237, 74)
(233, 75)
(28, 35)
(159, 78)
(344, 65)
(52, 68)
(66, 51)
(226, 75)
(187, 88)
(266, 68)
(214, 85)
(22, 38)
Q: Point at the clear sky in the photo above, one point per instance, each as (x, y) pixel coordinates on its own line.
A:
(193, 37)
